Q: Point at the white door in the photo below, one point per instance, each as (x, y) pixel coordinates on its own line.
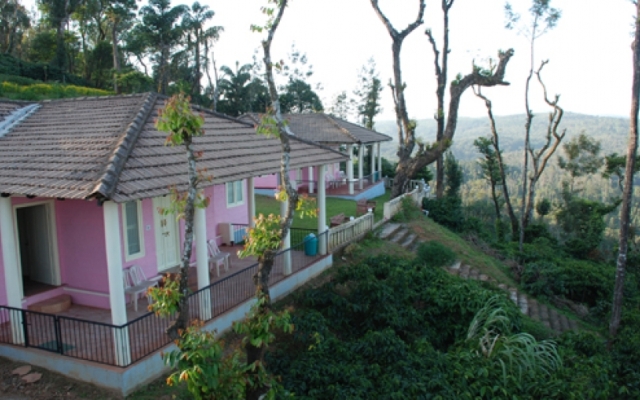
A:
(167, 239)
(35, 244)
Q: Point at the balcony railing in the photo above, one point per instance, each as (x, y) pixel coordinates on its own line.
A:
(126, 344)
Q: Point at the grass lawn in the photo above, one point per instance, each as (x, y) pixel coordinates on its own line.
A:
(268, 205)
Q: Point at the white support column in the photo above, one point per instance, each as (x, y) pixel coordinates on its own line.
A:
(202, 263)
(350, 167)
(251, 199)
(379, 163)
(360, 166)
(311, 180)
(372, 163)
(12, 276)
(116, 286)
(299, 175)
(322, 212)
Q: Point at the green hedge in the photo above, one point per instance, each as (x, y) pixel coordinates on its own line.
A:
(40, 91)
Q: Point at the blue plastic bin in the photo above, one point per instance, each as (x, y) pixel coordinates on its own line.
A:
(310, 245)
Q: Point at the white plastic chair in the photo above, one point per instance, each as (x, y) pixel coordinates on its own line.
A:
(136, 283)
(217, 257)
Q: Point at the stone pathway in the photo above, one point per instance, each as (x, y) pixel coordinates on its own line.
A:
(550, 317)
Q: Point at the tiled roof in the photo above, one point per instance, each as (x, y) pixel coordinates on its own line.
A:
(326, 129)
(7, 107)
(108, 147)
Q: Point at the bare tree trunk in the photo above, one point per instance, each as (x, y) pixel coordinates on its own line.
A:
(541, 157)
(408, 166)
(515, 225)
(441, 76)
(182, 321)
(627, 195)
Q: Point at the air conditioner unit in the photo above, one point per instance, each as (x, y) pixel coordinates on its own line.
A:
(231, 233)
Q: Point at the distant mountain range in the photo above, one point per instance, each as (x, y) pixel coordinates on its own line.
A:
(612, 132)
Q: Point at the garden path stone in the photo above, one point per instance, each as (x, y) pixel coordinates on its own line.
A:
(399, 235)
(474, 274)
(408, 241)
(388, 230)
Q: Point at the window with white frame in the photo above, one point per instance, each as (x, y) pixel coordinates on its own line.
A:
(133, 232)
(235, 193)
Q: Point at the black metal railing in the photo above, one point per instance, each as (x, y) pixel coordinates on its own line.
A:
(298, 235)
(126, 344)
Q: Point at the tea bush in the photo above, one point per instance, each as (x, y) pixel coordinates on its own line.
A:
(435, 254)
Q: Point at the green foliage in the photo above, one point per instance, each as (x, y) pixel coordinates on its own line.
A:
(543, 207)
(39, 71)
(165, 300)
(41, 91)
(446, 211)
(299, 97)
(582, 157)
(388, 168)
(409, 210)
(453, 175)
(210, 372)
(580, 281)
(177, 119)
(387, 329)
(368, 94)
(435, 254)
(582, 222)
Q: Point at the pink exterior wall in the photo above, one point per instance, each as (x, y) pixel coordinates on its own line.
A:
(81, 244)
(3, 290)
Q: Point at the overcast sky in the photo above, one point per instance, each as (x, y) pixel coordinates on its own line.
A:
(589, 51)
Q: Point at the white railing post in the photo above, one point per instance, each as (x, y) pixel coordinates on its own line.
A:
(12, 277)
(202, 263)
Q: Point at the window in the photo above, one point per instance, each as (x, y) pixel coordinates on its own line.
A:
(235, 195)
(133, 233)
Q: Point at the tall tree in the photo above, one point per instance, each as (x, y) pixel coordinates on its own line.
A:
(582, 157)
(408, 165)
(490, 168)
(240, 92)
(159, 30)
(495, 141)
(14, 21)
(543, 17)
(441, 77)
(368, 94)
(194, 21)
(118, 13)
(625, 212)
(57, 13)
(341, 107)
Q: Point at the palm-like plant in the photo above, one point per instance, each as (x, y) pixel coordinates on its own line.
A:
(517, 354)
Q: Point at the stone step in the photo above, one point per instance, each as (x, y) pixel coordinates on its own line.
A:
(474, 274)
(408, 241)
(483, 278)
(544, 313)
(388, 230)
(399, 235)
(513, 295)
(464, 271)
(534, 311)
(573, 324)
(554, 319)
(455, 268)
(523, 303)
(564, 323)
(415, 245)
(53, 305)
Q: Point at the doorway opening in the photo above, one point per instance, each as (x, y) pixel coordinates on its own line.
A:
(36, 249)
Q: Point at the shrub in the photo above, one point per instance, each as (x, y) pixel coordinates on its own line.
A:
(435, 254)
(446, 211)
(409, 211)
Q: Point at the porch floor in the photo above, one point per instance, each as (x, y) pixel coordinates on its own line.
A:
(104, 315)
(337, 188)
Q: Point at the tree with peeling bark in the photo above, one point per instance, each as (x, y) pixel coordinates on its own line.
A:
(409, 164)
(627, 194)
(543, 18)
(495, 142)
(265, 239)
(182, 124)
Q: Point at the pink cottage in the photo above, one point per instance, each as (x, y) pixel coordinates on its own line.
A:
(80, 183)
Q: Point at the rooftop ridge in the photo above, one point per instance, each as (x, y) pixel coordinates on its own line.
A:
(16, 117)
(363, 127)
(108, 182)
(85, 98)
(344, 130)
